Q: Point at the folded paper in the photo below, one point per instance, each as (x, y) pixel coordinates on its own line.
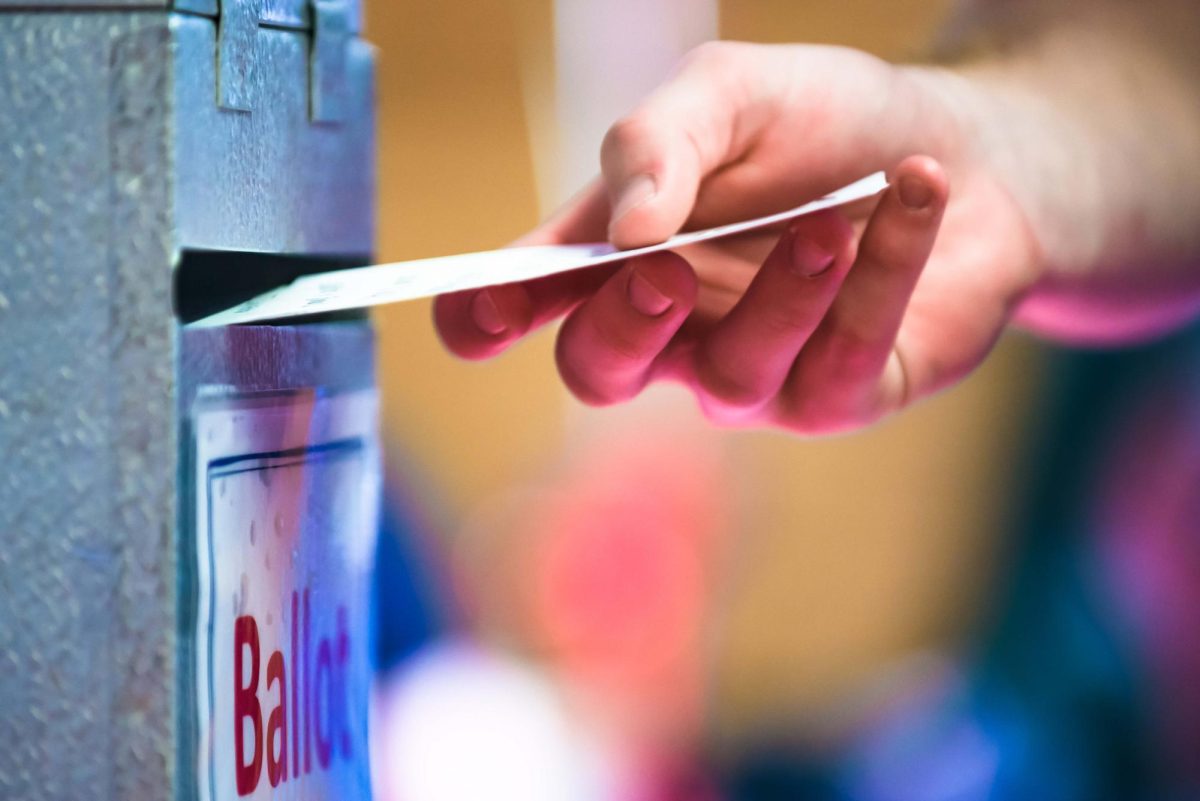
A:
(392, 283)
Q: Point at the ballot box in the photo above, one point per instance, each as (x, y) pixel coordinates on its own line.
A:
(187, 517)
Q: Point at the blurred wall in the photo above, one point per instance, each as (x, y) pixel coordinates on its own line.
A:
(456, 174)
(850, 551)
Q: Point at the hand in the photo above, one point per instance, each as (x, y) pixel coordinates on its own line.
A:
(843, 318)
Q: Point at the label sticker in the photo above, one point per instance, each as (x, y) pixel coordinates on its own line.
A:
(287, 494)
(410, 280)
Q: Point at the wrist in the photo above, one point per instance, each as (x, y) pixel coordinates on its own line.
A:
(991, 136)
(1097, 271)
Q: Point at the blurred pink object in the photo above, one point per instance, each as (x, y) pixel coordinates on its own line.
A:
(621, 551)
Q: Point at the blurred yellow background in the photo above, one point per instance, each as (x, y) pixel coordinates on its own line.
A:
(848, 552)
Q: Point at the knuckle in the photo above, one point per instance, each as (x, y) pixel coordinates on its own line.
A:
(787, 318)
(850, 355)
(624, 344)
(714, 56)
(837, 390)
(894, 254)
(726, 417)
(852, 363)
(626, 135)
(601, 364)
(589, 395)
(818, 415)
(583, 384)
(457, 338)
(731, 388)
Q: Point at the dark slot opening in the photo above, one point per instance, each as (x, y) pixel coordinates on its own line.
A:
(209, 281)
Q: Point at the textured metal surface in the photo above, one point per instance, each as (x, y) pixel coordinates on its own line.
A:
(237, 53)
(100, 5)
(271, 180)
(140, 378)
(336, 356)
(299, 13)
(283, 13)
(208, 8)
(113, 157)
(327, 64)
(58, 569)
(87, 578)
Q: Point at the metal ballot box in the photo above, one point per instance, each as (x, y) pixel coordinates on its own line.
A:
(187, 517)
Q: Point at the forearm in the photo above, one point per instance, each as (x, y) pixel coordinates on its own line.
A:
(1090, 114)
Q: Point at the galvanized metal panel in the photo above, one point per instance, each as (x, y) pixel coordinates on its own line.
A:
(113, 157)
(87, 568)
(237, 53)
(86, 5)
(207, 8)
(141, 376)
(271, 180)
(282, 13)
(338, 356)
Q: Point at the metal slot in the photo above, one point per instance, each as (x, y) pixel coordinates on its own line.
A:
(208, 281)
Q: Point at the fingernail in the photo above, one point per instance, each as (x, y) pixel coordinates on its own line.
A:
(809, 258)
(486, 314)
(915, 193)
(637, 192)
(646, 297)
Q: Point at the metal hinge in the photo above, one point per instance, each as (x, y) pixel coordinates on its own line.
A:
(327, 63)
(237, 52)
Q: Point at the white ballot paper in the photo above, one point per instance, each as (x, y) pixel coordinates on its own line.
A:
(393, 283)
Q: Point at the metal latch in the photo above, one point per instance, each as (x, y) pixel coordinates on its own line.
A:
(327, 64)
(237, 52)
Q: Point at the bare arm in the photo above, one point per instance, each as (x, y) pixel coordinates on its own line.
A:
(1091, 111)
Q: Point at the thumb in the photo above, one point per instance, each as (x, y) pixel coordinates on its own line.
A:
(655, 159)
